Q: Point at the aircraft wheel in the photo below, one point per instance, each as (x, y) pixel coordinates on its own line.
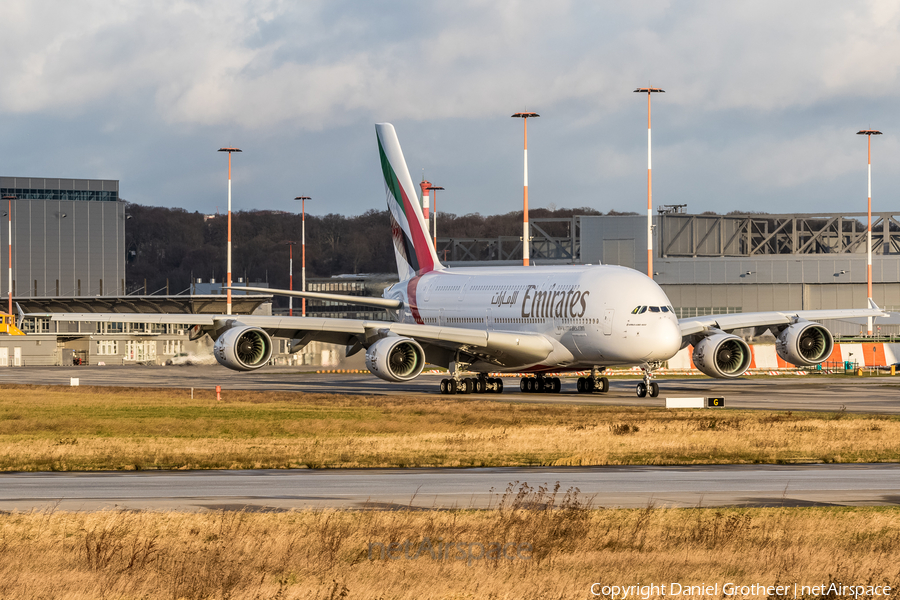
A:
(641, 390)
(498, 383)
(452, 386)
(580, 385)
(557, 385)
(654, 390)
(523, 384)
(443, 386)
(480, 385)
(603, 385)
(589, 385)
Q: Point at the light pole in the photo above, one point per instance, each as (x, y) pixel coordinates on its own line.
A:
(869, 133)
(303, 200)
(9, 212)
(291, 278)
(228, 276)
(649, 91)
(434, 188)
(526, 238)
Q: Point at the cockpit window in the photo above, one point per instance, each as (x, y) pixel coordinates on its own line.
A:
(654, 309)
(639, 310)
(665, 308)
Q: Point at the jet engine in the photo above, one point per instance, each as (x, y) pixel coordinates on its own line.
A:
(722, 355)
(243, 348)
(395, 359)
(804, 343)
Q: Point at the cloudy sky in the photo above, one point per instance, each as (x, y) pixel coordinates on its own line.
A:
(762, 101)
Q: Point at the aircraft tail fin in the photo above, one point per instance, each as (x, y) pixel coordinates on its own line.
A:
(413, 248)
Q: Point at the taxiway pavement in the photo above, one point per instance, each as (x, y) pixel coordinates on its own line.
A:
(640, 486)
(818, 393)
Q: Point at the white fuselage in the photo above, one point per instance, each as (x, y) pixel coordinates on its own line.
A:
(587, 312)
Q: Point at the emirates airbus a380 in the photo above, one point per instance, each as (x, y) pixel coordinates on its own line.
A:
(535, 320)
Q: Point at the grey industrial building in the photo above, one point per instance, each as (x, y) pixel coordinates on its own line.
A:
(68, 237)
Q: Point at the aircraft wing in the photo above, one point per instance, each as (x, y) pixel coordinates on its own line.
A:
(694, 325)
(363, 300)
(505, 347)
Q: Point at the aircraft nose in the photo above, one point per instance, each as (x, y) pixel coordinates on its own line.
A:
(667, 339)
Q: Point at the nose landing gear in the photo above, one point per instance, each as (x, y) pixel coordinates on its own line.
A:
(647, 387)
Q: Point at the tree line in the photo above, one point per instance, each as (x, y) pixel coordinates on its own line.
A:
(172, 246)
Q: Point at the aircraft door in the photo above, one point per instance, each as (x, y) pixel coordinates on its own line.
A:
(489, 320)
(463, 289)
(441, 320)
(608, 321)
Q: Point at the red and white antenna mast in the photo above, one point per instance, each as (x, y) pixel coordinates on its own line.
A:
(649, 91)
(869, 133)
(526, 237)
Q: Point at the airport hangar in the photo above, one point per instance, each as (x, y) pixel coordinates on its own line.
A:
(714, 264)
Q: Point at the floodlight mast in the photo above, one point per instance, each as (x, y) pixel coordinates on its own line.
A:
(526, 230)
(303, 200)
(291, 277)
(649, 91)
(869, 133)
(230, 151)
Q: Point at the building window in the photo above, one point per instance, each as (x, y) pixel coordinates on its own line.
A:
(172, 347)
(107, 347)
(140, 350)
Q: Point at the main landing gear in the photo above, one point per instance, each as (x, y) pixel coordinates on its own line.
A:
(540, 385)
(472, 385)
(593, 383)
(647, 387)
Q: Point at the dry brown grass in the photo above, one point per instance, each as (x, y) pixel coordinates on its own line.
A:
(54, 428)
(325, 554)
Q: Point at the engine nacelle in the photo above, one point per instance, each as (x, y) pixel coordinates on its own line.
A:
(804, 343)
(722, 355)
(395, 359)
(243, 348)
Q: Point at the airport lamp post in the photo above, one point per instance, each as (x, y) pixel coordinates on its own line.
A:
(303, 200)
(649, 91)
(230, 151)
(869, 133)
(434, 188)
(9, 213)
(526, 237)
(291, 278)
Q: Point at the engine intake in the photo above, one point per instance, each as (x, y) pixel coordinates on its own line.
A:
(395, 359)
(804, 343)
(722, 355)
(243, 348)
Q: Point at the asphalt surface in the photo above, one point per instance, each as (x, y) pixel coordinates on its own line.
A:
(813, 392)
(691, 486)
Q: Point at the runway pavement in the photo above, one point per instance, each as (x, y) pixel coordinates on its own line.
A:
(690, 486)
(857, 394)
